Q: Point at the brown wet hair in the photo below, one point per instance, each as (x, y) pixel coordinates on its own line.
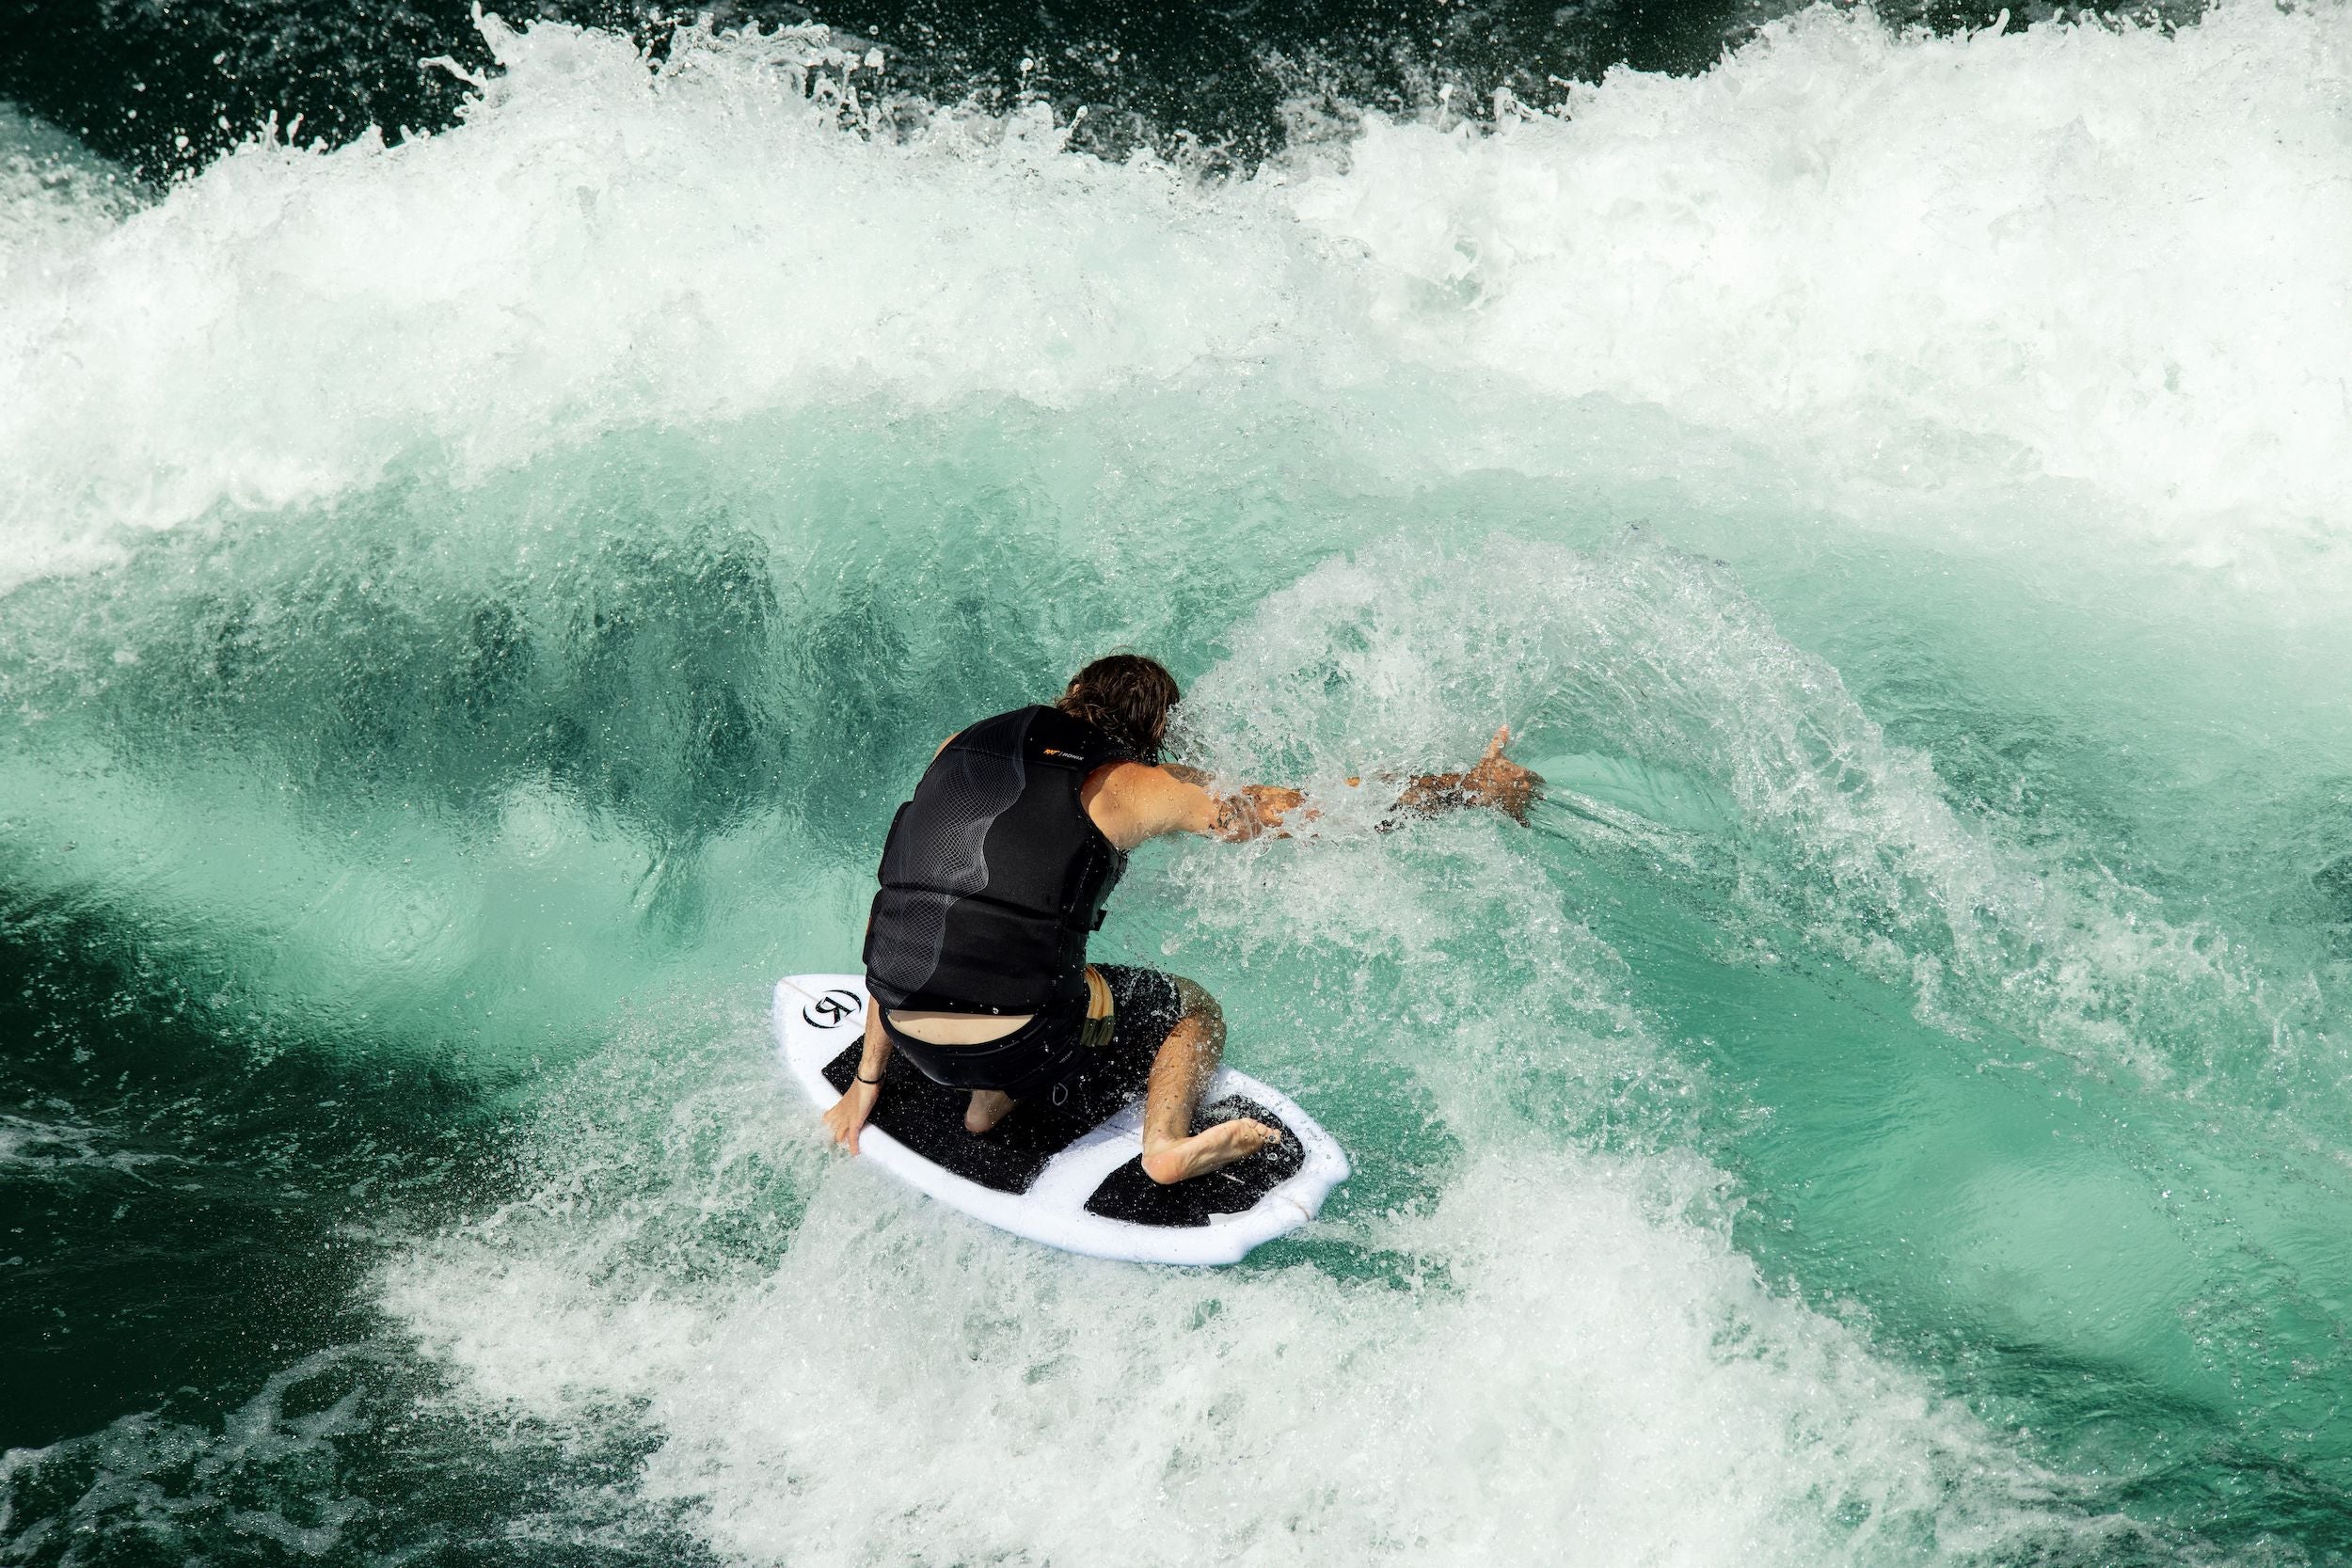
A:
(1127, 695)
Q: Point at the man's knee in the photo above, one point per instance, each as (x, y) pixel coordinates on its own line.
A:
(1196, 1005)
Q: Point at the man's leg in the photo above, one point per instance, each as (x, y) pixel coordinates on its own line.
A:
(987, 1109)
(1171, 1150)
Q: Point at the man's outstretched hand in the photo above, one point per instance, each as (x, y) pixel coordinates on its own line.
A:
(1499, 783)
(1495, 780)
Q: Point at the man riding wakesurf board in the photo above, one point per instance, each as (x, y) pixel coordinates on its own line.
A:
(997, 870)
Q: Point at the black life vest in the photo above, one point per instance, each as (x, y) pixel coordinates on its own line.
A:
(994, 876)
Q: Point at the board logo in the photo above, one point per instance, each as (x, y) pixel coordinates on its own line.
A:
(830, 1010)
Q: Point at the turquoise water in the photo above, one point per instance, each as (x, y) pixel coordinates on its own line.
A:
(471, 602)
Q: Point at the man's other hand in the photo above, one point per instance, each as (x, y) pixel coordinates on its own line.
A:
(849, 1113)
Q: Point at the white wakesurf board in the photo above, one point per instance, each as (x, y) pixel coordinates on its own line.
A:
(1073, 1180)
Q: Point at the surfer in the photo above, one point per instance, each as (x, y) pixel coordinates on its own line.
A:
(998, 869)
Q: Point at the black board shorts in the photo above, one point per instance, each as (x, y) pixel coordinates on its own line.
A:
(1145, 1009)
(1061, 1056)
(928, 1118)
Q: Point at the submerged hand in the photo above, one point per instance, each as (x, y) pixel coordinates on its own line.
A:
(849, 1113)
(1499, 783)
(1495, 780)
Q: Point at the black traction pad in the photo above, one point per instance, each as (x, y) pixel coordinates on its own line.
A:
(1127, 1194)
(928, 1118)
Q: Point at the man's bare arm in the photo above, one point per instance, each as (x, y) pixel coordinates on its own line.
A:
(1174, 798)
(850, 1113)
(1254, 810)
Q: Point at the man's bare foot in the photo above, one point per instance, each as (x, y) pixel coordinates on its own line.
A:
(1205, 1151)
(987, 1109)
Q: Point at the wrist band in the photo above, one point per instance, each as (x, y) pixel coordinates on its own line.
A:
(863, 1079)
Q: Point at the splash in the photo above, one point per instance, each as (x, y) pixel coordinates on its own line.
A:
(1909, 263)
(482, 596)
(1483, 1385)
(1928, 259)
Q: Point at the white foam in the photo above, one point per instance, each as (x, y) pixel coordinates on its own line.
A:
(601, 246)
(1564, 1360)
(2114, 255)
(54, 196)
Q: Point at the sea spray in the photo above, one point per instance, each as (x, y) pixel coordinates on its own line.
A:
(475, 599)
